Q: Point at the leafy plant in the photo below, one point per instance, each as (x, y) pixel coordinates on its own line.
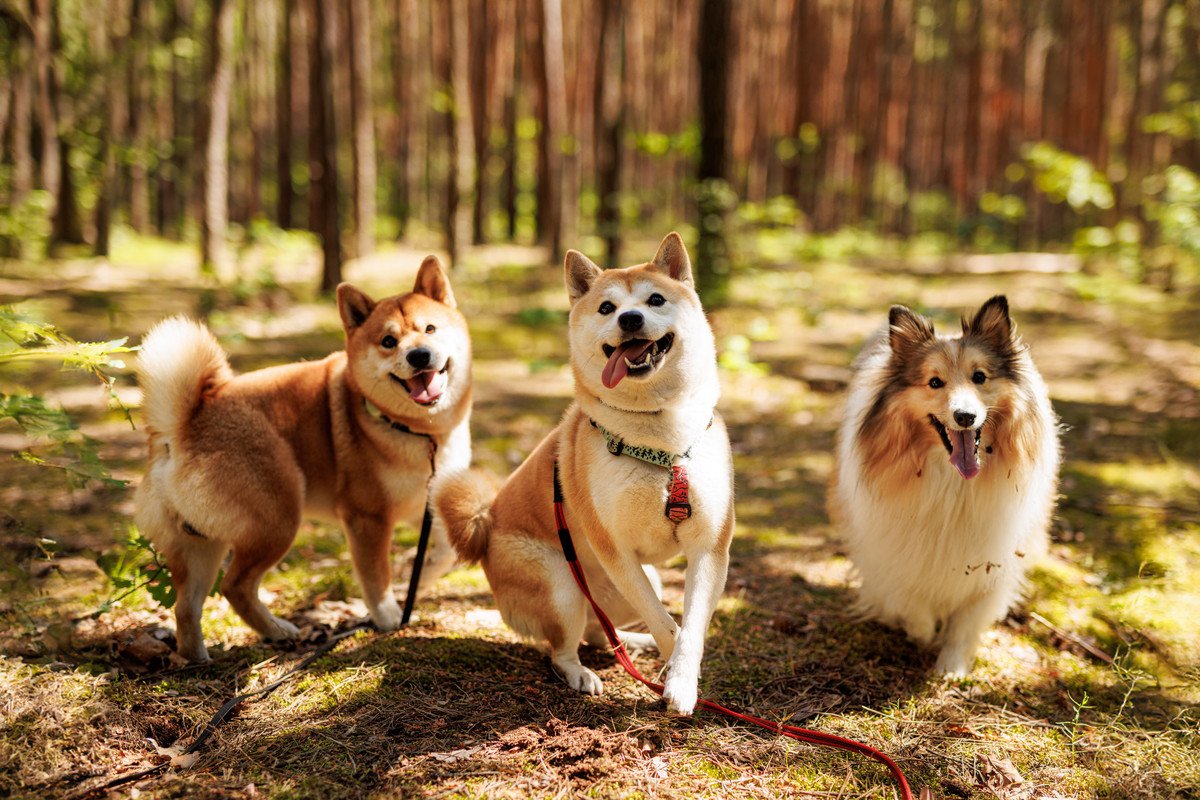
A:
(24, 339)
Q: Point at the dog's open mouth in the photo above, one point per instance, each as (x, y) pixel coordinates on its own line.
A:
(963, 447)
(424, 388)
(636, 357)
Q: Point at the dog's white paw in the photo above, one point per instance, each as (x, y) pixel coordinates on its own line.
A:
(196, 653)
(953, 663)
(680, 691)
(387, 615)
(637, 643)
(581, 679)
(280, 630)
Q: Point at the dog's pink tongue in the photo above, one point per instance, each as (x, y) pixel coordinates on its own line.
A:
(425, 387)
(963, 457)
(616, 368)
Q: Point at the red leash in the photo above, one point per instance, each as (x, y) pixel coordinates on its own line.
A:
(622, 656)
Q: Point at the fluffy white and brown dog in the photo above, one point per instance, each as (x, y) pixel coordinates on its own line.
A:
(236, 461)
(646, 389)
(946, 476)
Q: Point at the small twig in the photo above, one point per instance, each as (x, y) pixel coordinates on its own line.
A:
(1073, 638)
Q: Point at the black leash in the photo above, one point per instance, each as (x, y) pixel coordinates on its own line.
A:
(231, 704)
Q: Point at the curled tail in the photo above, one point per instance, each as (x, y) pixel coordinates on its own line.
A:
(463, 501)
(179, 360)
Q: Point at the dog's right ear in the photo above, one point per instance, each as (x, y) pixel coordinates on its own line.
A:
(581, 273)
(907, 330)
(354, 306)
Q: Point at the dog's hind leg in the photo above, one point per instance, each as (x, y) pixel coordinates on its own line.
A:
(564, 627)
(194, 562)
(251, 560)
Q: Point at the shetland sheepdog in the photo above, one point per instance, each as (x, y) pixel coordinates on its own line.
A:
(946, 476)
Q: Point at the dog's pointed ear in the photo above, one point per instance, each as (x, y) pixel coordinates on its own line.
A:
(354, 306)
(581, 272)
(433, 282)
(672, 258)
(907, 330)
(992, 324)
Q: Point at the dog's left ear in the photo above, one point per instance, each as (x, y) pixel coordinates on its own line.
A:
(433, 283)
(581, 273)
(992, 324)
(672, 258)
(354, 306)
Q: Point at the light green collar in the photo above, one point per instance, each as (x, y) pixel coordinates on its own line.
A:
(619, 447)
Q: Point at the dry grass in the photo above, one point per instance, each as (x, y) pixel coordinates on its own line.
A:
(457, 707)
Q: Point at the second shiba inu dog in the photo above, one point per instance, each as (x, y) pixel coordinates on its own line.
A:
(946, 476)
(644, 416)
(235, 461)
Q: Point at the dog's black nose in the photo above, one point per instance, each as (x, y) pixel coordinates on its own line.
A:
(631, 321)
(419, 357)
(964, 418)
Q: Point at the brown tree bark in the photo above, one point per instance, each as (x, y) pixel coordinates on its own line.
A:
(285, 192)
(140, 103)
(215, 214)
(461, 179)
(323, 197)
(552, 110)
(608, 117)
(363, 121)
(713, 55)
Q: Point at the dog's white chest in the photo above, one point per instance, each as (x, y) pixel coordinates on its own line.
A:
(630, 497)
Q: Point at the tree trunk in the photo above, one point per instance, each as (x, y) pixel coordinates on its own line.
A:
(215, 216)
(22, 120)
(140, 103)
(552, 110)
(167, 177)
(713, 56)
(609, 123)
(479, 69)
(323, 197)
(508, 179)
(461, 179)
(286, 194)
(363, 120)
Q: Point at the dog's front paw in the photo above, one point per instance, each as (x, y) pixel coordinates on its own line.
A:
(197, 653)
(953, 664)
(581, 679)
(680, 690)
(387, 615)
(280, 630)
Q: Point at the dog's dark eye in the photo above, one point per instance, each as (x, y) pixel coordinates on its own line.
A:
(656, 299)
(979, 377)
(430, 328)
(607, 307)
(936, 383)
(389, 342)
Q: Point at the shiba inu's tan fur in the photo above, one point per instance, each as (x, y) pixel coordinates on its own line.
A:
(663, 397)
(235, 461)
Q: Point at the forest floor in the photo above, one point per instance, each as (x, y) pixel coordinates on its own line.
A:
(1090, 689)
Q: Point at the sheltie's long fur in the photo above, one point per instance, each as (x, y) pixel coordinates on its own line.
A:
(946, 476)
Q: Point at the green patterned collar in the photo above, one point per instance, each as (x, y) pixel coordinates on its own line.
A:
(660, 458)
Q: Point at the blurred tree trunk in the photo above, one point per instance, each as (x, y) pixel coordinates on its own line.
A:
(363, 121)
(608, 119)
(56, 174)
(461, 179)
(140, 102)
(479, 68)
(322, 153)
(404, 46)
(286, 194)
(22, 118)
(167, 175)
(508, 178)
(548, 77)
(713, 56)
(107, 43)
(215, 216)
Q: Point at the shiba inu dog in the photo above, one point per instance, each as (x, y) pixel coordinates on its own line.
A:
(946, 476)
(235, 461)
(646, 388)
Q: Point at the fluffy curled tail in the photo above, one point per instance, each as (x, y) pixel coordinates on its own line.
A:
(179, 360)
(463, 501)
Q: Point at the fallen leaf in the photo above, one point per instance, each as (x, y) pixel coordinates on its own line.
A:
(185, 760)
